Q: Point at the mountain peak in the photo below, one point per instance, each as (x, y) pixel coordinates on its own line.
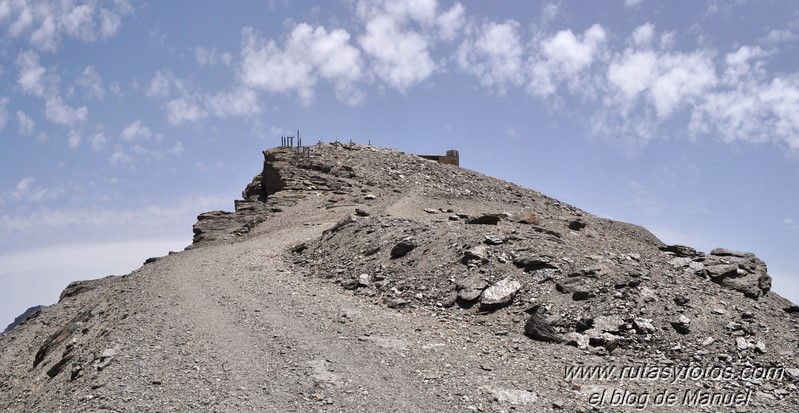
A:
(357, 278)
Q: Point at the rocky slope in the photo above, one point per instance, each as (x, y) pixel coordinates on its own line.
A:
(356, 278)
(22, 317)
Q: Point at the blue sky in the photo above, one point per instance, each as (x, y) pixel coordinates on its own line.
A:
(120, 121)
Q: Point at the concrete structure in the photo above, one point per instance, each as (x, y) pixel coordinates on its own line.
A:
(451, 158)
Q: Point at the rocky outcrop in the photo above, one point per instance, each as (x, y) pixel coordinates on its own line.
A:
(29, 313)
(266, 183)
(739, 271)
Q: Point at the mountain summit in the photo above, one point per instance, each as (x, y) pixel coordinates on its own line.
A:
(361, 279)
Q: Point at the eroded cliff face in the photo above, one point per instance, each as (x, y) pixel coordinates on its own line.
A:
(467, 291)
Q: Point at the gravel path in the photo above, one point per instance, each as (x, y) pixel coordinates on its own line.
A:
(249, 334)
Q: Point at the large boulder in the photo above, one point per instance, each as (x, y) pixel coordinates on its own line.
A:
(500, 294)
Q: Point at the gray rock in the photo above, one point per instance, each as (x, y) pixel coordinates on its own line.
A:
(576, 339)
(643, 326)
(361, 213)
(733, 326)
(608, 324)
(741, 344)
(512, 396)
(470, 288)
(760, 347)
(538, 329)
(722, 270)
(350, 284)
(431, 211)
(396, 302)
(477, 253)
(544, 274)
(723, 252)
(696, 266)
(681, 300)
(500, 294)
(530, 264)
(370, 196)
(682, 325)
(577, 224)
(679, 262)
(486, 219)
(364, 280)
(402, 248)
(680, 250)
(492, 240)
(582, 294)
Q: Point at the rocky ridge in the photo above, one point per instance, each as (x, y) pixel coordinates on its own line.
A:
(519, 274)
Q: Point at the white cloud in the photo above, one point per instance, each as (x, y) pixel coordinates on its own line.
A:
(563, 57)
(668, 80)
(110, 22)
(26, 124)
(206, 57)
(177, 150)
(642, 35)
(48, 21)
(31, 74)
(116, 90)
(400, 56)
(184, 109)
(308, 54)
(3, 112)
(92, 83)
(78, 22)
(240, 102)
(173, 215)
(160, 85)
(22, 187)
(549, 11)
(400, 34)
(775, 37)
(646, 84)
(194, 107)
(97, 141)
(57, 112)
(119, 157)
(26, 191)
(400, 10)
(74, 139)
(633, 73)
(495, 56)
(683, 78)
(136, 131)
(451, 22)
(748, 105)
(632, 3)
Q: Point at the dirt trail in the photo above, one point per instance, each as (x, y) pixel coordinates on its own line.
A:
(276, 341)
